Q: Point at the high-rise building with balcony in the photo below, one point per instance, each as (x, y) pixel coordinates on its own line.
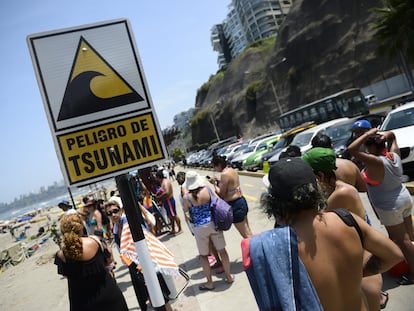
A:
(248, 21)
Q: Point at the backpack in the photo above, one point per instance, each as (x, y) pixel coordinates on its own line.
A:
(221, 212)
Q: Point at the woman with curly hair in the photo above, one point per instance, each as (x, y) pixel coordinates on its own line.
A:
(83, 261)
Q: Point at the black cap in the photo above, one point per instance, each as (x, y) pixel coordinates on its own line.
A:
(288, 174)
(64, 203)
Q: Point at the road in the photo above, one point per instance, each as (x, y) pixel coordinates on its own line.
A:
(238, 296)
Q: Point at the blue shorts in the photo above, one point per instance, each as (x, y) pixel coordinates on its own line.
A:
(169, 206)
(240, 209)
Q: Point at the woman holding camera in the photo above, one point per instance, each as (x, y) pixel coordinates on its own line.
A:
(388, 195)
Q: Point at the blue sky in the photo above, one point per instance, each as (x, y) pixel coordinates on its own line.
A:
(173, 39)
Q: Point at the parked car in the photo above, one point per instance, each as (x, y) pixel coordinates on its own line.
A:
(237, 162)
(230, 150)
(401, 122)
(252, 163)
(242, 149)
(338, 130)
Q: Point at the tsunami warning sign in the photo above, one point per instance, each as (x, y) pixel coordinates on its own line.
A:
(100, 150)
(96, 100)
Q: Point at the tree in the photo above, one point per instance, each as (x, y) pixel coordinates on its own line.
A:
(177, 154)
(394, 30)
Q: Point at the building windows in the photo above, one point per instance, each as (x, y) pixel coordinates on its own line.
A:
(249, 21)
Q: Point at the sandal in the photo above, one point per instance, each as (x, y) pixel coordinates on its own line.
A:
(384, 304)
(204, 287)
(405, 281)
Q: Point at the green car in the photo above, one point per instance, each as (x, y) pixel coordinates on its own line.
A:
(252, 163)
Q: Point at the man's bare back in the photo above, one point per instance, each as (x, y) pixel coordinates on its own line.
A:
(348, 172)
(332, 262)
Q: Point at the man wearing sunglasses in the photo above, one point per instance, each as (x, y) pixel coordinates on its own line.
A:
(118, 219)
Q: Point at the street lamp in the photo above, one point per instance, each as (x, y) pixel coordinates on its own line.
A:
(214, 126)
(212, 120)
(273, 85)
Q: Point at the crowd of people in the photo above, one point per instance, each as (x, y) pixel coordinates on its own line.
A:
(321, 225)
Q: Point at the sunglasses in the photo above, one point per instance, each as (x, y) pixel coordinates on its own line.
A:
(115, 211)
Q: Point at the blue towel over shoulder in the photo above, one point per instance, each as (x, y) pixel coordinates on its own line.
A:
(277, 276)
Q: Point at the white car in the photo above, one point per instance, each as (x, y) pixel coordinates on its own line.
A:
(304, 139)
(401, 122)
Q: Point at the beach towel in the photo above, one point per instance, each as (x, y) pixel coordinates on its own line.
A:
(162, 257)
(277, 276)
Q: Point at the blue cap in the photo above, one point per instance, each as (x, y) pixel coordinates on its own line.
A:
(361, 124)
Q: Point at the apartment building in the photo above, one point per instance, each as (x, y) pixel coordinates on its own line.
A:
(246, 22)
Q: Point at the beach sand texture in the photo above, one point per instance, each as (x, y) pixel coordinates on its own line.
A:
(31, 284)
(34, 283)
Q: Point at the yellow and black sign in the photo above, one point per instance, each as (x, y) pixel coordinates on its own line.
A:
(94, 85)
(109, 148)
(97, 100)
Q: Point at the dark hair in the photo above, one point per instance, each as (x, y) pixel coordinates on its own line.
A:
(159, 174)
(194, 193)
(87, 198)
(219, 160)
(376, 140)
(291, 152)
(180, 177)
(303, 198)
(321, 140)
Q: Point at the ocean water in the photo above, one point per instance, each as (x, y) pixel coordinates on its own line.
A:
(14, 213)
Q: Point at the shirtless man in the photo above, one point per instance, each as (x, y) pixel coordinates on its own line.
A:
(342, 195)
(165, 194)
(228, 188)
(330, 250)
(347, 171)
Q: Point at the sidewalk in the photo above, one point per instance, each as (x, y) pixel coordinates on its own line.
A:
(238, 296)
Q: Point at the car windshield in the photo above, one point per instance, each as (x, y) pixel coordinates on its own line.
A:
(339, 132)
(399, 119)
(302, 139)
(279, 144)
(249, 149)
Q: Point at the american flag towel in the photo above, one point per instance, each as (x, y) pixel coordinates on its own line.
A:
(161, 256)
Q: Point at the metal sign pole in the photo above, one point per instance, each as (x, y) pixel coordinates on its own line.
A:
(135, 220)
(71, 198)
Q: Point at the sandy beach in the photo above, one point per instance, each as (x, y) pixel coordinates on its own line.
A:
(31, 285)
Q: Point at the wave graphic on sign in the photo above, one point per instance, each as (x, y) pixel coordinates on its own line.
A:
(94, 85)
(79, 100)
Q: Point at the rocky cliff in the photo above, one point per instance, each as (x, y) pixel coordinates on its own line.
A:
(323, 47)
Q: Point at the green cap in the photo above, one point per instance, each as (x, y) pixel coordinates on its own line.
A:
(321, 159)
